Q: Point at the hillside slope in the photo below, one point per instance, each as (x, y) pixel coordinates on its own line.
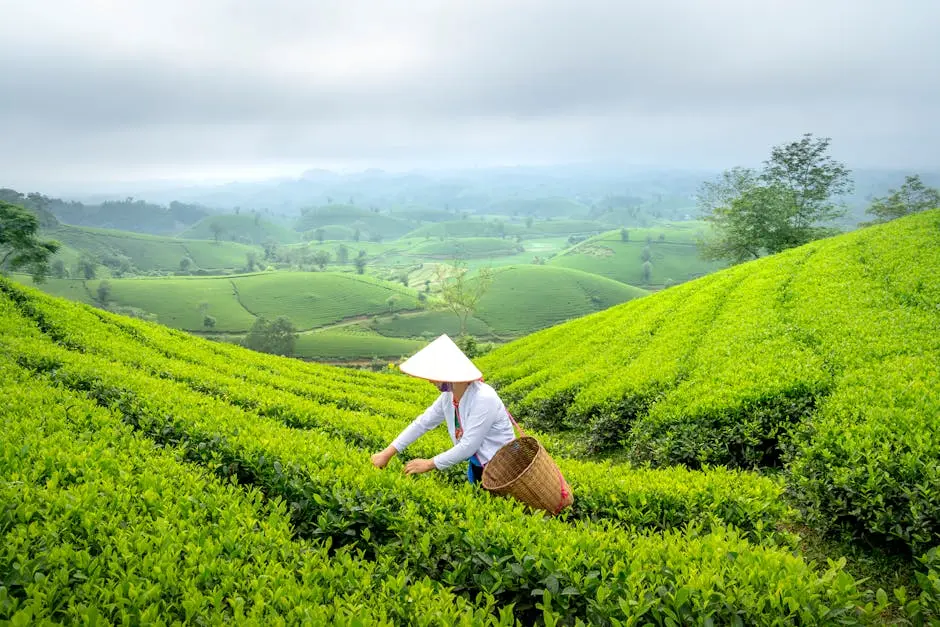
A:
(525, 298)
(825, 359)
(141, 459)
(245, 228)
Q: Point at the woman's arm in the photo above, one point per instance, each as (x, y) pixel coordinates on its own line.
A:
(432, 416)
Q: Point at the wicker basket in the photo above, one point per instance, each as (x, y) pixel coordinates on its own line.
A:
(524, 470)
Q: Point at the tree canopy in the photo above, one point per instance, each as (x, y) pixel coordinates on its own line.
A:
(277, 337)
(20, 248)
(786, 204)
(912, 197)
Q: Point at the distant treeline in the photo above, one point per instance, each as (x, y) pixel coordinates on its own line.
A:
(124, 215)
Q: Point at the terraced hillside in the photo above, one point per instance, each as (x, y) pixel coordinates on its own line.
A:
(149, 252)
(823, 360)
(260, 504)
(671, 250)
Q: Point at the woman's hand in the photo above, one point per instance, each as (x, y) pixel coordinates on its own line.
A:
(380, 460)
(418, 466)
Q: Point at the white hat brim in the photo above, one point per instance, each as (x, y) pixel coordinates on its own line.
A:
(441, 360)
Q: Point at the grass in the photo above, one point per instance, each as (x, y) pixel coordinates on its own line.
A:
(466, 247)
(428, 324)
(313, 299)
(674, 259)
(340, 346)
(151, 252)
(72, 289)
(176, 301)
(526, 298)
(242, 225)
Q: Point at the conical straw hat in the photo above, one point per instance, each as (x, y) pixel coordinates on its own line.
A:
(441, 360)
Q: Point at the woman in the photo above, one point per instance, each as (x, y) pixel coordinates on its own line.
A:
(475, 416)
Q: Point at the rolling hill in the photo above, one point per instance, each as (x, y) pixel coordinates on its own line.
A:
(366, 221)
(244, 228)
(308, 299)
(148, 473)
(149, 252)
(525, 298)
(674, 255)
(465, 248)
(822, 360)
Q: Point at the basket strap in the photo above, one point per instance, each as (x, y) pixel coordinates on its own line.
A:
(564, 492)
(514, 423)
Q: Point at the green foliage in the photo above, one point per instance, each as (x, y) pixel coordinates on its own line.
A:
(149, 253)
(466, 247)
(785, 205)
(277, 337)
(316, 299)
(104, 292)
(525, 298)
(822, 360)
(458, 293)
(912, 197)
(99, 525)
(230, 412)
(19, 245)
(251, 228)
(608, 255)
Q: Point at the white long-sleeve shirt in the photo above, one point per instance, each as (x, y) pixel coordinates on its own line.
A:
(482, 415)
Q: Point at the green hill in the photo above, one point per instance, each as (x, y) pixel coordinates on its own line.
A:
(823, 360)
(312, 299)
(150, 252)
(525, 298)
(308, 299)
(149, 475)
(467, 228)
(674, 256)
(466, 247)
(244, 228)
(369, 223)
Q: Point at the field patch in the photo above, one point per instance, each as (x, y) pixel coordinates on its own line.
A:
(524, 298)
(312, 299)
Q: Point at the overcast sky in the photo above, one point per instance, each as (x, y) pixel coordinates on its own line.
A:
(121, 89)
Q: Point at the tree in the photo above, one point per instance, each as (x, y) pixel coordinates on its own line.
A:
(104, 292)
(812, 178)
(319, 234)
(342, 254)
(278, 337)
(185, 264)
(270, 246)
(356, 236)
(912, 197)
(59, 270)
(647, 253)
(756, 213)
(361, 262)
(391, 302)
(320, 258)
(647, 272)
(217, 230)
(19, 245)
(624, 235)
(87, 266)
(459, 293)
(208, 322)
(528, 222)
(251, 261)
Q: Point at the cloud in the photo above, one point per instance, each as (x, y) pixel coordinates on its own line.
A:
(108, 88)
